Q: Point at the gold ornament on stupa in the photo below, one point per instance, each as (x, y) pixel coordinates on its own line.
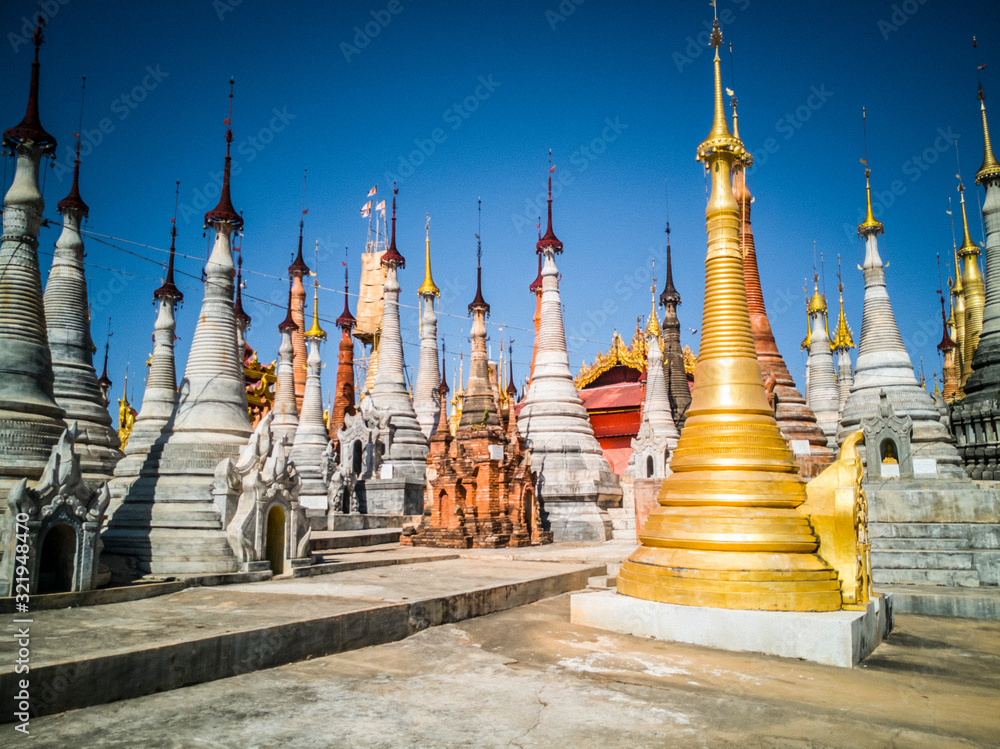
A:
(728, 531)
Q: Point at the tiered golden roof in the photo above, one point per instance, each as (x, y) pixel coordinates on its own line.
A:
(842, 338)
(633, 356)
(690, 359)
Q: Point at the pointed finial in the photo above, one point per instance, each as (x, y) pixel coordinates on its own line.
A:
(73, 200)
(288, 323)
(315, 331)
(105, 381)
(990, 168)
(168, 289)
(298, 266)
(30, 129)
(842, 337)
(947, 343)
(346, 319)
(224, 211)
(869, 225)
(653, 325)
(720, 138)
(479, 302)
(669, 295)
(392, 256)
(240, 313)
(428, 287)
(968, 247)
(550, 239)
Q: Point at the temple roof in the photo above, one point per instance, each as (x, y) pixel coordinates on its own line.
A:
(632, 356)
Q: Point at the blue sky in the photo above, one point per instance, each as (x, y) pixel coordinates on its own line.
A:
(463, 100)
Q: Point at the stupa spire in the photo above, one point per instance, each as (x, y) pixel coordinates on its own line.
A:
(343, 402)
(479, 408)
(990, 168)
(73, 200)
(286, 415)
(884, 365)
(32, 419)
(575, 479)
(311, 437)
(678, 391)
(843, 342)
(104, 381)
(224, 211)
(550, 239)
(732, 468)
(425, 399)
(975, 290)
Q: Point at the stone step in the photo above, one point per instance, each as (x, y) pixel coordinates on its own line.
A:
(621, 524)
(950, 578)
(329, 540)
(921, 559)
(918, 530)
(937, 544)
(602, 582)
(935, 600)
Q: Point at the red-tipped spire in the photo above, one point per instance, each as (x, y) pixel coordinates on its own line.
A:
(169, 290)
(241, 314)
(550, 239)
(479, 302)
(288, 323)
(392, 256)
(536, 285)
(346, 319)
(30, 128)
(224, 211)
(73, 200)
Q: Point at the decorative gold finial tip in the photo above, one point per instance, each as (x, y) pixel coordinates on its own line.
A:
(870, 225)
(990, 168)
(716, 38)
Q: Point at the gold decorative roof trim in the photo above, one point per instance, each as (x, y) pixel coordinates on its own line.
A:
(632, 356)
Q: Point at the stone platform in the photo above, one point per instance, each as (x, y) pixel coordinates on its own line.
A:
(836, 638)
(938, 600)
(92, 655)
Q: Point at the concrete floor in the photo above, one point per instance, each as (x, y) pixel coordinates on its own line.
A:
(529, 678)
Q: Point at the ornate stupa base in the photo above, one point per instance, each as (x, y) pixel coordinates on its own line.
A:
(734, 540)
(834, 638)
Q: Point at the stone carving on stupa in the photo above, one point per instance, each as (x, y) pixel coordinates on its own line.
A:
(575, 481)
(399, 486)
(30, 418)
(976, 419)
(168, 522)
(59, 519)
(425, 391)
(67, 317)
(796, 420)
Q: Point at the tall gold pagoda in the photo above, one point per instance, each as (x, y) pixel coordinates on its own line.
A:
(728, 532)
(975, 292)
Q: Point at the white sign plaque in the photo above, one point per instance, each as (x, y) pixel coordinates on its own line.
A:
(496, 452)
(801, 447)
(386, 471)
(890, 470)
(925, 467)
(313, 503)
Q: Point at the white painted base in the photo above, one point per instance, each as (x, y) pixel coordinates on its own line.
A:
(834, 638)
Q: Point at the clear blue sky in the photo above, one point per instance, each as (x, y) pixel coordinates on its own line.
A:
(621, 92)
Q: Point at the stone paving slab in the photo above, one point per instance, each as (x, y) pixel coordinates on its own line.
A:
(528, 677)
(86, 656)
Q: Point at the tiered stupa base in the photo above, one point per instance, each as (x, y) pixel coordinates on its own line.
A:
(575, 491)
(27, 440)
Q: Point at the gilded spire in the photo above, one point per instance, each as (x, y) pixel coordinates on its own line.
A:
(428, 287)
(870, 225)
(842, 339)
(991, 167)
(315, 331)
(968, 247)
(818, 302)
(719, 137)
(653, 326)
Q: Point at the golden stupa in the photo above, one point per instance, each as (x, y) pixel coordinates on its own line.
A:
(728, 532)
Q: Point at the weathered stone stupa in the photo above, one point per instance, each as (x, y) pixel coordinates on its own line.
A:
(977, 418)
(169, 522)
(654, 444)
(575, 481)
(675, 376)
(883, 364)
(286, 417)
(728, 532)
(160, 397)
(67, 317)
(343, 399)
(311, 437)
(796, 420)
(425, 400)
(31, 421)
(821, 381)
(400, 485)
